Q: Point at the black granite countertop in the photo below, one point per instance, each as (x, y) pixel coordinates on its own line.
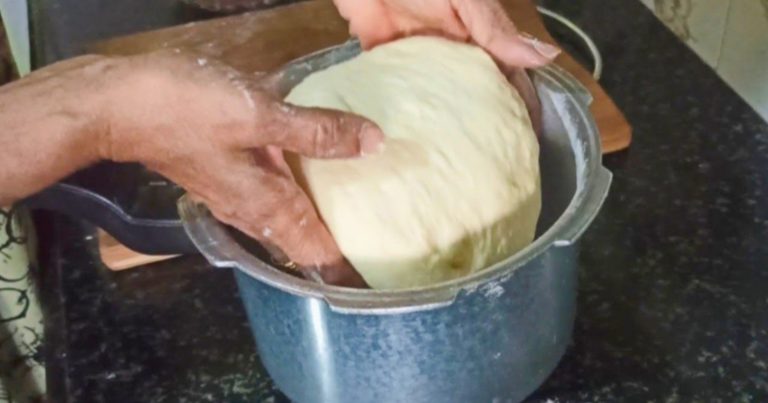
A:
(673, 301)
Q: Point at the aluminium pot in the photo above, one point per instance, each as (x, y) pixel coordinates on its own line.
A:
(493, 336)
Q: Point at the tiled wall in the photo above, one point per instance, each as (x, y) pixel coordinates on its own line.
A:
(730, 35)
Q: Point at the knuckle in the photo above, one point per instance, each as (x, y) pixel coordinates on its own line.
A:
(326, 137)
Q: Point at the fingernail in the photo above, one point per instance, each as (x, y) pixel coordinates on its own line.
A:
(543, 48)
(371, 139)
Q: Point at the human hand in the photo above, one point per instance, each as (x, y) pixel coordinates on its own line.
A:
(483, 22)
(220, 135)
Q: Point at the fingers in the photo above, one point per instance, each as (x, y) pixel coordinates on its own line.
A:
(271, 208)
(342, 274)
(380, 21)
(368, 20)
(491, 28)
(318, 133)
(520, 80)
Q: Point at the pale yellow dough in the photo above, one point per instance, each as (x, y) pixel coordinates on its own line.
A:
(456, 187)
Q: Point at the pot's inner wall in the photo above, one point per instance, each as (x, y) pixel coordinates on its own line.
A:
(556, 163)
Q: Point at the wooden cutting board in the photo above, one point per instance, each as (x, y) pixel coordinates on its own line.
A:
(263, 41)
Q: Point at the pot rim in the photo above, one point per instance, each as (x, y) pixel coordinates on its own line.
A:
(593, 181)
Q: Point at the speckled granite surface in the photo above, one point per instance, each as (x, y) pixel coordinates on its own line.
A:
(673, 303)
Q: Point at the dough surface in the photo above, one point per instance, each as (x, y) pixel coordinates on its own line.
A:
(456, 187)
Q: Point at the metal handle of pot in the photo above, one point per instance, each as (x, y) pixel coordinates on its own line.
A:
(594, 199)
(386, 306)
(148, 236)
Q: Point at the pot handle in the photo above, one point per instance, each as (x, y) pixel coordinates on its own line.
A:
(387, 306)
(594, 198)
(147, 236)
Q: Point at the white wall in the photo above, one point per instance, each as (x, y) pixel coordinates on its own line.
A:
(729, 35)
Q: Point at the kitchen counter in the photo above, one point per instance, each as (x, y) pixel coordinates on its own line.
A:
(674, 272)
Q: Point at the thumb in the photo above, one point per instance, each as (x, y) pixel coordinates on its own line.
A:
(321, 133)
(490, 27)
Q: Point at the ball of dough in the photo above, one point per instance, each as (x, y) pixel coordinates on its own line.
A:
(456, 186)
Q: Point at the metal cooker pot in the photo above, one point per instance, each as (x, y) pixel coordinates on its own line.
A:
(492, 336)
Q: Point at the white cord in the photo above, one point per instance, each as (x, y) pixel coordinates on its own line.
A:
(598, 59)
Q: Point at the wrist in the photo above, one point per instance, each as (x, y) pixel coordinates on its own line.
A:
(127, 101)
(52, 125)
(106, 76)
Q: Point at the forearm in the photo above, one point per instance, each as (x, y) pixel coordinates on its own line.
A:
(49, 125)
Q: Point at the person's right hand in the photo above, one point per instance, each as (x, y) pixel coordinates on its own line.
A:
(483, 22)
(214, 132)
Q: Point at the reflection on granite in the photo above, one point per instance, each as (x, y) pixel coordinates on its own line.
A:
(672, 305)
(175, 331)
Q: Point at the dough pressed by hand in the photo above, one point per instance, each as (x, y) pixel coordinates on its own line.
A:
(456, 186)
